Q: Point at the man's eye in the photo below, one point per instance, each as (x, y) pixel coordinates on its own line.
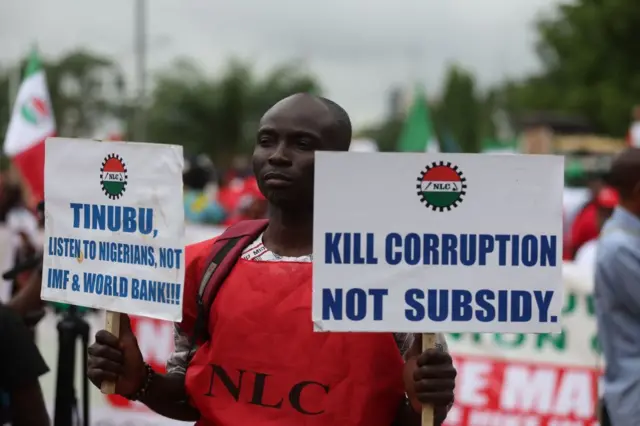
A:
(304, 143)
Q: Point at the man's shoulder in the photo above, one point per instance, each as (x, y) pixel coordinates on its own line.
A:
(199, 249)
(617, 250)
(196, 256)
(9, 319)
(613, 239)
(198, 252)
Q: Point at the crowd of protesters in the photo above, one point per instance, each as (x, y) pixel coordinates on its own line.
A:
(221, 198)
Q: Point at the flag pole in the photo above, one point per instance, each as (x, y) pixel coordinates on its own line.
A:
(14, 85)
(140, 44)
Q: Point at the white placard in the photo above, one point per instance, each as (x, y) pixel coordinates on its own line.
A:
(437, 243)
(114, 226)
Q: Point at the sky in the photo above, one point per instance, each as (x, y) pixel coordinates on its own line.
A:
(358, 49)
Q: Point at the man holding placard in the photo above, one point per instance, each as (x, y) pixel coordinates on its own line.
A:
(257, 359)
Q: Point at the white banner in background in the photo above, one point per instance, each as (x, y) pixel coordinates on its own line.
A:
(437, 243)
(114, 226)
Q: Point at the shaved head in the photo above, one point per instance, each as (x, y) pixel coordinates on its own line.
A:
(327, 113)
(342, 124)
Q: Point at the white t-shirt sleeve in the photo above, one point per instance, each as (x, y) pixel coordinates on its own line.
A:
(586, 255)
(23, 221)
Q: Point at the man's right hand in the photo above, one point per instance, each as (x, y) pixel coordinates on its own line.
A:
(117, 360)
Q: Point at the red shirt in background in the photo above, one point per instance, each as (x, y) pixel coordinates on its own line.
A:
(235, 197)
(585, 227)
(229, 195)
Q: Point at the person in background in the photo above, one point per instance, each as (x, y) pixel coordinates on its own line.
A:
(574, 198)
(26, 301)
(20, 395)
(256, 204)
(234, 183)
(200, 205)
(605, 202)
(240, 195)
(585, 224)
(633, 137)
(21, 365)
(617, 294)
(251, 203)
(22, 225)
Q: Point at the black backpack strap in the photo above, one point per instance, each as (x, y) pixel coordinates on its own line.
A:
(224, 254)
(200, 326)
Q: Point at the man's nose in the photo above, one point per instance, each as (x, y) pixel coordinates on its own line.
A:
(280, 155)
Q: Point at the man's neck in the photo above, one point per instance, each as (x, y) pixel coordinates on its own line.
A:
(290, 233)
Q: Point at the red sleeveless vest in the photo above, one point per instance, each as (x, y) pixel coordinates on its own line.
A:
(264, 365)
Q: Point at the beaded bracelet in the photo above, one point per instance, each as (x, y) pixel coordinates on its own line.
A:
(140, 393)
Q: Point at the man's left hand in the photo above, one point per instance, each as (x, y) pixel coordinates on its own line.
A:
(434, 378)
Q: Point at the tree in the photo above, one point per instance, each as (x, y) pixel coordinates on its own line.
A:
(588, 50)
(85, 89)
(218, 116)
(5, 112)
(458, 112)
(386, 133)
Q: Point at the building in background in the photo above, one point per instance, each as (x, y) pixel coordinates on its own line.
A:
(537, 130)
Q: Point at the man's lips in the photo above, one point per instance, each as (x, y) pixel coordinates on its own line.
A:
(277, 179)
(277, 175)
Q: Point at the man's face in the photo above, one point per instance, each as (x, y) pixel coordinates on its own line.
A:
(595, 186)
(283, 158)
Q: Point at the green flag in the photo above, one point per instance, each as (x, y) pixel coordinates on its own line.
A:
(418, 134)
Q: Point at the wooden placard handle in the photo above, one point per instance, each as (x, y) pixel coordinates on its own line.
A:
(112, 325)
(428, 342)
